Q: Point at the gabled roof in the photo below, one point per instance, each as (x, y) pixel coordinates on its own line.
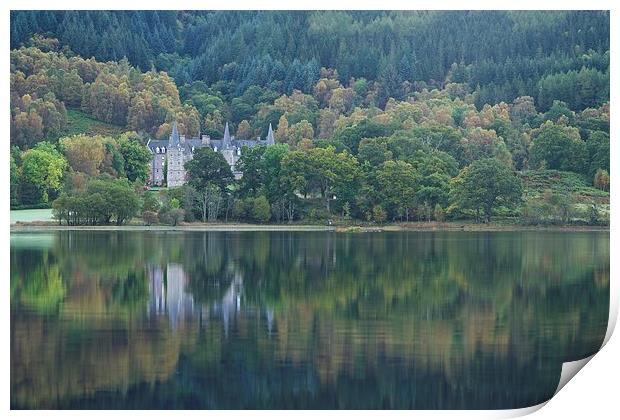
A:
(153, 144)
(222, 144)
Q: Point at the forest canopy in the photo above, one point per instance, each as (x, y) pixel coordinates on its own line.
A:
(500, 55)
(376, 115)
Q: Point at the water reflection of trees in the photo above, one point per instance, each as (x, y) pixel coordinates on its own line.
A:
(396, 320)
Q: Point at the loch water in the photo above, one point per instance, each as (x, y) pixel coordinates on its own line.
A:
(312, 320)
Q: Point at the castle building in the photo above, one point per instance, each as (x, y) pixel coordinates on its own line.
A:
(172, 154)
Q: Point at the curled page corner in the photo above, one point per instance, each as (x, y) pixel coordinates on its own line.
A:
(519, 412)
(613, 312)
(569, 370)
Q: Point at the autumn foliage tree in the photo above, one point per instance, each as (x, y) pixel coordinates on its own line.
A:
(601, 179)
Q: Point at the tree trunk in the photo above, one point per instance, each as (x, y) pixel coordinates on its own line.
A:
(290, 210)
(204, 207)
(488, 212)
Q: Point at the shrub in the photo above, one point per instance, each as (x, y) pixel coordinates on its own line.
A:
(439, 213)
(171, 216)
(239, 209)
(318, 214)
(149, 217)
(261, 210)
(379, 214)
(151, 202)
(102, 202)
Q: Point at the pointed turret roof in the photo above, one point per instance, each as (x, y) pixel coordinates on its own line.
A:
(174, 136)
(270, 139)
(226, 139)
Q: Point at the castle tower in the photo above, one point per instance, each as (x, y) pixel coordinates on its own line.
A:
(270, 140)
(176, 162)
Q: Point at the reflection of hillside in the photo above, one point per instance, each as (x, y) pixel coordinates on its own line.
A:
(55, 361)
(396, 320)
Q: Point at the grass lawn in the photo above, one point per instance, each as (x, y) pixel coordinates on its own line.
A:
(36, 215)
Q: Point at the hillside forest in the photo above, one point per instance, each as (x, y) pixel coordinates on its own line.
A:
(378, 116)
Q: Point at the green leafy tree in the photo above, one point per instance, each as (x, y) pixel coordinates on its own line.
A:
(119, 198)
(209, 174)
(396, 184)
(136, 158)
(323, 171)
(484, 185)
(558, 147)
(102, 202)
(436, 169)
(42, 170)
(261, 211)
(252, 164)
(351, 135)
(598, 151)
(14, 179)
(439, 213)
(208, 167)
(379, 214)
(150, 202)
(374, 151)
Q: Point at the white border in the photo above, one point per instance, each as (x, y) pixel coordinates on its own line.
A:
(593, 394)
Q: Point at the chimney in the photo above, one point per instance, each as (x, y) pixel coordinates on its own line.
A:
(258, 138)
(206, 139)
(182, 138)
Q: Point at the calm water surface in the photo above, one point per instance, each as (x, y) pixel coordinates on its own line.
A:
(302, 319)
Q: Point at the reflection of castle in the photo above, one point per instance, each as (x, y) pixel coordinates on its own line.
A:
(169, 296)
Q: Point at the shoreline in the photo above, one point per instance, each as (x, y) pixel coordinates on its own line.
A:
(242, 227)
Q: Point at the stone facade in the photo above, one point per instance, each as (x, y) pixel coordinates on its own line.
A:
(170, 156)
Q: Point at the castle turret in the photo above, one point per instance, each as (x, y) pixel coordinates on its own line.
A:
(174, 136)
(270, 140)
(226, 140)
